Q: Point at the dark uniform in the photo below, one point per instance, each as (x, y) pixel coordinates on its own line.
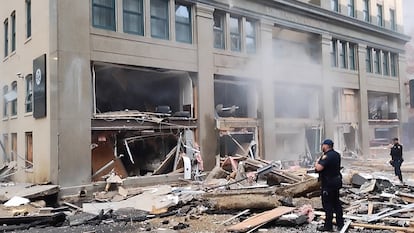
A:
(397, 159)
(331, 180)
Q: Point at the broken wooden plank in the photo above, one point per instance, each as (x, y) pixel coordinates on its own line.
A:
(260, 219)
(235, 216)
(346, 226)
(168, 161)
(382, 227)
(244, 201)
(370, 207)
(379, 217)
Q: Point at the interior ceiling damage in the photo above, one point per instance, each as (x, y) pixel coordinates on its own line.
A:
(138, 124)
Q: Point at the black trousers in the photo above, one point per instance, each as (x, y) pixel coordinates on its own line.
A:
(397, 168)
(331, 204)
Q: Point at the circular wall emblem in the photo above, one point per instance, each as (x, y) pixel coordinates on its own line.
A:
(38, 77)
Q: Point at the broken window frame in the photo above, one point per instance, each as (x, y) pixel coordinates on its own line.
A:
(342, 54)
(29, 149)
(377, 61)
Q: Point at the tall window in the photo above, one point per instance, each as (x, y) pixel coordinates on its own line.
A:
(218, 30)
(334, 5)
(183, 32)
(379, 15)
(392, 20)
(14, 146)
(250, 36)
(235, 33)
(29, 93)
(6, 38)
(13, 32)
(159, 19)
(6, 145)
(377, 64)
(394, 64)
(351, 8)
(28, 18)
(334, 53)
(368, 60)
(342, 54)
(14, 101)
(103, 14)
(29, 149)
(351, 55)
(5, 102)
(385, 63)
(365, 10)
(133, 16)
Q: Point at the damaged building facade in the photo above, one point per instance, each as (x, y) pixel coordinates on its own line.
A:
(150, 86)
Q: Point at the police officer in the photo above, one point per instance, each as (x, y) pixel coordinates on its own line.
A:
(397, 158)
(328, 166)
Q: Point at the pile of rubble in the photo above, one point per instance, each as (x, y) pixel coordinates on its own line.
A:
(241, 194)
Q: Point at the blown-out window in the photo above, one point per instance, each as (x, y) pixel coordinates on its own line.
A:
(219, 30)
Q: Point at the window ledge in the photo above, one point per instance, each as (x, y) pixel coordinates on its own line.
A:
(6, 58)
(231, 53)
(12, 53)
(13, 117)
(27, 40)
(27, 114)
(5, 118)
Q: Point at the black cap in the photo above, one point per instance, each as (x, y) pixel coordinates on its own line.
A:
(328, 142)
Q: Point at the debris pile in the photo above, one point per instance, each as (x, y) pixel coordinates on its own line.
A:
(241, 194)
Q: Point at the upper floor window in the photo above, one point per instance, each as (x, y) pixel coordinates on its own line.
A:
(13, 32)
(368, 60)
(334, 53)
(28, 18)
(394, 64)
(250, 36)
(14, 101)
(392, 20)
(342, 54)
(351, 8)
(379, 15)
(103, 14)
(377, 64)
(365, 10)
(352, 56)
(334, 5)
(159, 19)
(218, 30)
(385, 63)
(235, 33)
(133, 16)
(6, 38)
(183, 32)
(29, 93)
(5, 102)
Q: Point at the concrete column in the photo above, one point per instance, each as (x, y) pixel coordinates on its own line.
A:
(267, 107)
(205, 85)
(327, 91)
(74, 95)
(363, 102)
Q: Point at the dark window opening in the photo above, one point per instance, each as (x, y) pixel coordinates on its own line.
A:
(140, 89)
(234, 98)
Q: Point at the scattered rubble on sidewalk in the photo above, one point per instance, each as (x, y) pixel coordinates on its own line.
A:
(242, 194)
